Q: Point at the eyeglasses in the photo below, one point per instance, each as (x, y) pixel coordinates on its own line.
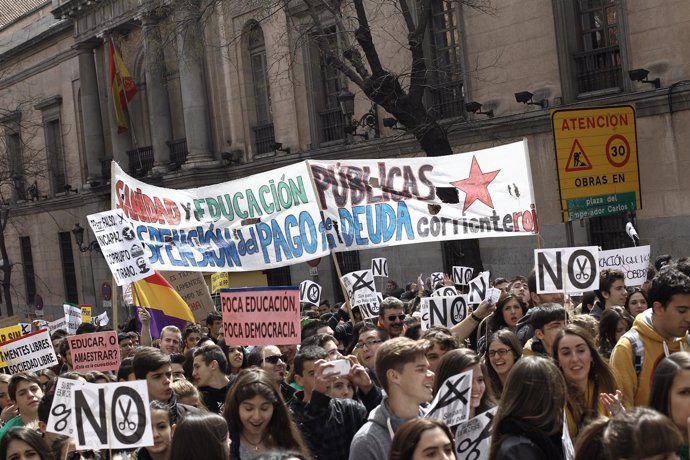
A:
(392, 318)
(368, 343)
(501, 352)
(79, 454)
(275, 358)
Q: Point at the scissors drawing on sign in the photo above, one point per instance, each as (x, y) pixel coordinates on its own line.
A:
(470, 447)
(126, 423)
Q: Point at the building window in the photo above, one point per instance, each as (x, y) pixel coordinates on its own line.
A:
(16, 164)
(68, 271)
(608, 232)
(56, 156)
(28, 264)
(264, 136)
(325, 85)
(592, 51)
(444, 61)
(279, 276)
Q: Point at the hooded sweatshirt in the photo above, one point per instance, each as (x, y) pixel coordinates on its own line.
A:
(636, 388)
(373, 440)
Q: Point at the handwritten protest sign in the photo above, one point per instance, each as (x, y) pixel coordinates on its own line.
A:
(85, 313)
(194, 291)
(99, 351)
(72, 317)
(473, 437)
(451, 404)
(462, 275)
(436, 277)
(26, 328)
(477, 288)
(112, 415)
(379, 267)
(28, 353)
(60, 419)
(486, 193)
(10, 332)
(632, 261)
(262, 315)
(219, 280)
(120, 246)
(102, 319)
(443, 311)
(360, 287)
(569, 270)
(58, 324)
(309, 292)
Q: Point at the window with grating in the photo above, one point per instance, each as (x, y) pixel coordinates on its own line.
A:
(69, 272)
(28, 268)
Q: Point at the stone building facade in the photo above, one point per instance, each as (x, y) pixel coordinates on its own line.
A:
(233, 88)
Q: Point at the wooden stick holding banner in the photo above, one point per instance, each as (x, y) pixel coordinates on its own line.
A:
(116, 306)
(340, 280)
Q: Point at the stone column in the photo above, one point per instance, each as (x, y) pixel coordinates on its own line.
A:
(91, 112)
(121, 142)
(157, 93)
(190, 55)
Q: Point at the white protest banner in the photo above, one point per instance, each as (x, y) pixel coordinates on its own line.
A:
(98, 351)
(462, 275)
(445, 311)
(477, 288)
(29, 353)
(379, 267)
(445, 291)
(112, 415)
(633, 261)
(360, 287)
(436, 277)
(121, 249)
(451, 405)
(261, 315)
(309, 292)
(102, 319)
(58, 324)
(267, 219)
(485, 193)
(60, 419)
(72, 317)
(568, 270)
(194, 291)
(26, 328)
(473, 437)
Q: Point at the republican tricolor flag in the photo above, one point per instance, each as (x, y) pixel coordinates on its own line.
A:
(122, 86)
(165, 305)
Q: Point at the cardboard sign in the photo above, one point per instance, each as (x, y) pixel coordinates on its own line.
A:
(99, 351)
(473, 437)
(29, 353)
(633, 261)
(194, 291)
(445, 291)
(120, 246)
(72, 317)
(58, 324)
(379, 267)
(85, 313)
(60, 419)
(360, 287)
(477, 288)
(261, 315)
(370, 310)
(462, 275)
(569, 270)
(102, 319)
(436, 277)
(309, 292)
(452, 402)
(443, 311)
(112, 415)
(219, 280)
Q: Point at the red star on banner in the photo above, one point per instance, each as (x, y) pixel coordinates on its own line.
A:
(476, 186)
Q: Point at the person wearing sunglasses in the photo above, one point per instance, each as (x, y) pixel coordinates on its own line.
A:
(392, 316)
(270, 359)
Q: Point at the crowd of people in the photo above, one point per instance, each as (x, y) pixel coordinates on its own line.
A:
(603, 376)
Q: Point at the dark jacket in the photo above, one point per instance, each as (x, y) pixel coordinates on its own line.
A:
(214, 398)
(523, 441)
(328, 425)
(179, 411)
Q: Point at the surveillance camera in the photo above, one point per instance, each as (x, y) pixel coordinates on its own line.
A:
(523, 97)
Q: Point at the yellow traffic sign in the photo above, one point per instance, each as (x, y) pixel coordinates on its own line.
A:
(596, 153)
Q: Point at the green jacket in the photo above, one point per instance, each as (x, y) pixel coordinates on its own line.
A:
(11, 423)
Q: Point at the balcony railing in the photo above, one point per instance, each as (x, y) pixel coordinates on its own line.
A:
(140, 161)
(178, 152)
(332, 125)
(598, 69)
(264, 139)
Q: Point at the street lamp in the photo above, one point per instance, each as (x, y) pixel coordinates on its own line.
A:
(347, 107)
(78, 233)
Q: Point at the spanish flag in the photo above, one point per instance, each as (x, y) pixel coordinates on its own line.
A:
(156, 293)
(122, 87)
